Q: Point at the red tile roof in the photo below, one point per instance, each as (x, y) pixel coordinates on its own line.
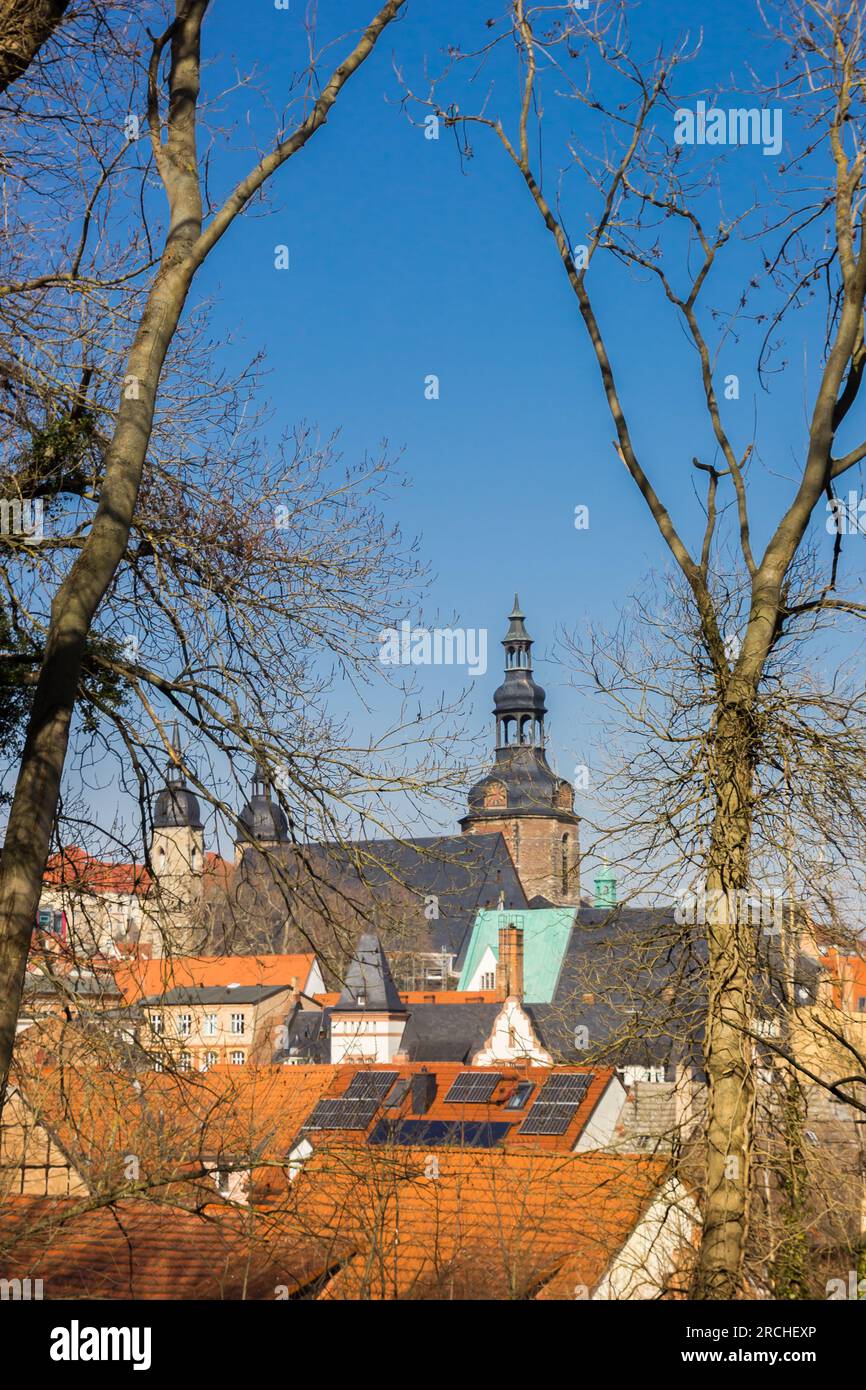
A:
(74, 869)
(142, 979)
(476, 1224)
(144, 1250)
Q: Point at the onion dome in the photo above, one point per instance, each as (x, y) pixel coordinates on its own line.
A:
(176, 806)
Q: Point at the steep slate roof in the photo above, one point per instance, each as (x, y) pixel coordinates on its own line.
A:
(462, 873)
(635, 982)
(447, 1032)
(368, 983)
(546, 934)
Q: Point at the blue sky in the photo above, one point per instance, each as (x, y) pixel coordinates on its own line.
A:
(405, 264)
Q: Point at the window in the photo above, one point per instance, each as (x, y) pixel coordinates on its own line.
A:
(184, 1025)
(222, 1176)
(522, 1091)
(564, 865)
(210, 1059)
(767, 1027)
(210, 1025)
(156, 1023)
(238, 1023)
(861, 1004)
(237, 1059)
(488, 979)
(158, 1066)
(185, 1063)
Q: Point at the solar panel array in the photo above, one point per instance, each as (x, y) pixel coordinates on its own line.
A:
(473, 1088)
(557, 1104)
(470, 1134)
(342, 1113)
(370, 1085)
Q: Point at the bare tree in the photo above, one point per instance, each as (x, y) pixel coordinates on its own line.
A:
(657, 213)
(189, 238)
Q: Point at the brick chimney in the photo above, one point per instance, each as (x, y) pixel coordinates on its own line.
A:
(509, 972)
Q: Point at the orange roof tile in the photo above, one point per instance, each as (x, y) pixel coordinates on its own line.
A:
(427, 996)
(144, 1250)
(494, 1111)
(484, 1224)
(74, 868)
(140, 979)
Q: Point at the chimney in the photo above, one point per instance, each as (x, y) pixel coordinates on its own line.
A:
(509, 974)
(423, 1092)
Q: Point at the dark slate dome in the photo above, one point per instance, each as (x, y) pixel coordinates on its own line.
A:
(530, 783)
(262, 819)
(519, 694)
(521, 781)
(176, 806)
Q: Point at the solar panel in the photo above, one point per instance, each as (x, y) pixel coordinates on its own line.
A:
(548, 1119)
(471, 1134)
(342, 1113)
(370, 1085)
(473, 1088)
(398, 1095)
(557, 1104)
(566, 1089)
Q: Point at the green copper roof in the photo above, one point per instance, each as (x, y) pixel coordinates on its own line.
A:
(546, 932)
(605, 886)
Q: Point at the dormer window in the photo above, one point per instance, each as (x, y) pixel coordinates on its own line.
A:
(520, 1095)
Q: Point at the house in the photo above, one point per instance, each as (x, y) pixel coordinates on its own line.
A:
(79, 1109)
(473, 1224)
(208, 1025)
(432, 1107)
(139, 978)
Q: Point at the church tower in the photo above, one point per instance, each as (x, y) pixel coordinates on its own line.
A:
(521, 796)
(177, 845)
(262, 822)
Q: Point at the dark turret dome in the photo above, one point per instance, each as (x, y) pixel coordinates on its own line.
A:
(521, 781)
(519, 694)
(176, 806)
(262, 819)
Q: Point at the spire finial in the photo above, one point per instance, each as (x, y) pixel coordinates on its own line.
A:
(174, 775)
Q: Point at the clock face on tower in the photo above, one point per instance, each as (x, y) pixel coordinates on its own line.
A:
(495, 797)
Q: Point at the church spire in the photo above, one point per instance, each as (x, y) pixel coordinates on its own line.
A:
(518, 704)
(174, 772)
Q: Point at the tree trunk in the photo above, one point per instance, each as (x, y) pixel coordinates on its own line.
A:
(25, 25)
(727, 1043)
